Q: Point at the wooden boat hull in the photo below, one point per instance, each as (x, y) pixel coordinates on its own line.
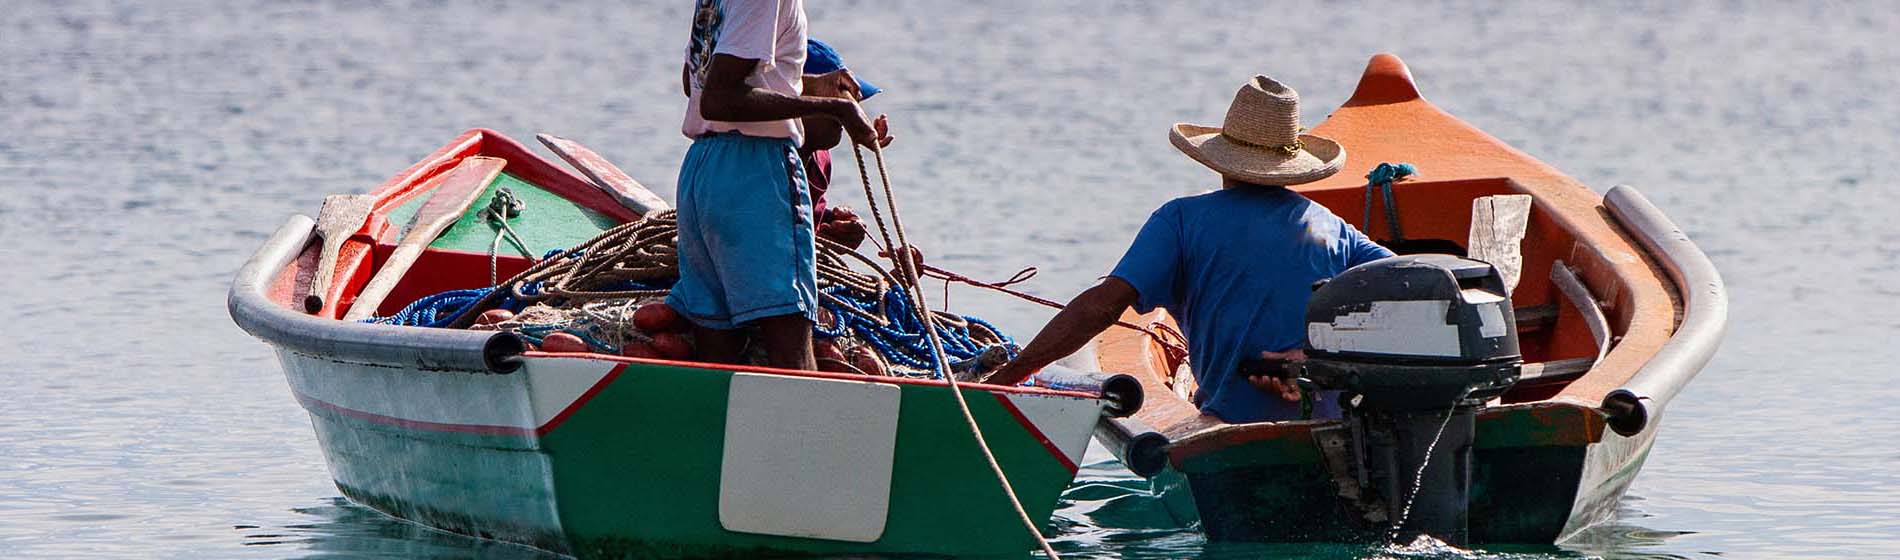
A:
(1625, 300)
(610, 457)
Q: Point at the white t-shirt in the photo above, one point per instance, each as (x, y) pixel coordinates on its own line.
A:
(769, 31)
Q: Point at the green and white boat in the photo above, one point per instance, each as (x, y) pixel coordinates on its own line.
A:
(598, 455)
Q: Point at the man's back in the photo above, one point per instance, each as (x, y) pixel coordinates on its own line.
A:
(1235, 267)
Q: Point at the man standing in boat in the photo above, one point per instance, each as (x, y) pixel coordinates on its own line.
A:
(1234, 267)
(746, 253)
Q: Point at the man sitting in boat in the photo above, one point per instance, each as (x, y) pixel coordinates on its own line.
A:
(746, 257)
(1234, 267)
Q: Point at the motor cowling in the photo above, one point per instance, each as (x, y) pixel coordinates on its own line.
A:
(1417, 344)
(1413, 332)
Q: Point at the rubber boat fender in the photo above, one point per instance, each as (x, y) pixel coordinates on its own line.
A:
(1704, 313)
(1121, 391)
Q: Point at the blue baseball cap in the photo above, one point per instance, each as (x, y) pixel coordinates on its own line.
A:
(821, 59)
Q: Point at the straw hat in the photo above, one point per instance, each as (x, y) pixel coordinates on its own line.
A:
(1260, 142)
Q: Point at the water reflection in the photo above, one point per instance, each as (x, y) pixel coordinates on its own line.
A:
(1111, 513)
(339, 528)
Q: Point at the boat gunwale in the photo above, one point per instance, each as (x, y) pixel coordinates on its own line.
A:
(1704, 315)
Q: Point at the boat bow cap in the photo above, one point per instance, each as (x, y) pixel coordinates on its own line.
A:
(1261, 140)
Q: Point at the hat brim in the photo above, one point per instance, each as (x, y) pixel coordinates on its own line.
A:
(1321, 158)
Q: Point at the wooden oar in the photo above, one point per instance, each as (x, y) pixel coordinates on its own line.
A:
(459, 189)
(605, 175)
(341, 216)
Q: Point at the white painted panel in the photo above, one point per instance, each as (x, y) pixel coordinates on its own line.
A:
(1067, 422)
(1413, 328)
(402, 393)
(526, 399)
(555, 384)
(807, 457)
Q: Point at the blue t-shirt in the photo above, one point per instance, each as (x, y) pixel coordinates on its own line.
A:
(1235, 268)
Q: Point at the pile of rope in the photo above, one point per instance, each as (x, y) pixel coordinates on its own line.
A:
(593, 289)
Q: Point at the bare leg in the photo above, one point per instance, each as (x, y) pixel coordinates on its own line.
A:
(787, 341)
(719, 346)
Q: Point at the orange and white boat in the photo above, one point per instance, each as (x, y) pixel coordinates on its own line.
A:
(1615, 312)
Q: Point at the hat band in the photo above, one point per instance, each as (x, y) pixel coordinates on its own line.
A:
(1290, 149)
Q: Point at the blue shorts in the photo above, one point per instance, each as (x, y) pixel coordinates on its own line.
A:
(745, 232)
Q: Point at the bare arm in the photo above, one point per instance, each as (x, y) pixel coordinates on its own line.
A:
(726, 97)
(1080, 321)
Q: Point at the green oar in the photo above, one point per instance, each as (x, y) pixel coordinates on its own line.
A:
(341, 216)
(459, 189)
(605, 175)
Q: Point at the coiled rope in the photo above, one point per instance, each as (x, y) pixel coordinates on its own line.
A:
(900, 254)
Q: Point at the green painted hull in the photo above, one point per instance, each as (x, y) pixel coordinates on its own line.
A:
(632, 469)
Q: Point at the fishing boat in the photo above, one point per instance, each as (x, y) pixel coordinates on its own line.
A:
(1615, 311)
(599, 455)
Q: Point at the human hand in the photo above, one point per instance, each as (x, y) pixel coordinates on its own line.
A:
(1284, 387)
(916, 261)
(837, 83)
(843, 227)
(883, 128)
(864, 131)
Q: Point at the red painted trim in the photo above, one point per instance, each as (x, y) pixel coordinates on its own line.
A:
(1034, 431)
(482, 429)
(310, 402)
(816, 374)
(581, 401)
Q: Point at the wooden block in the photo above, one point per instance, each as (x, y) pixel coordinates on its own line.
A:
(1498, 223)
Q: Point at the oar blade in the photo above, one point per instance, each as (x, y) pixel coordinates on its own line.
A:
(341, 216)
(605, 175)
(459, 189)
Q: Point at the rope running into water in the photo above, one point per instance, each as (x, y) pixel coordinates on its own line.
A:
(900, 253)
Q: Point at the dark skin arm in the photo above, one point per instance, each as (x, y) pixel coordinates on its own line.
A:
(1079, 322)
(726, 97)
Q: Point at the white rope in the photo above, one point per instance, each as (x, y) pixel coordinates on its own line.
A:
(900, 254)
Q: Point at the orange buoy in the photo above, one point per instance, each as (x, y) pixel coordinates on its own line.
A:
(564, 342)
(639, 350)
(494, 317)
(830, 358)
(867, 361)
(673, 346)
(658, 317)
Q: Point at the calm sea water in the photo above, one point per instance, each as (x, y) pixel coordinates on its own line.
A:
(146, 148)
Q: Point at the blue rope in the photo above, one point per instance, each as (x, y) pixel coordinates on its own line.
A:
(902, 339)
(1382, 178)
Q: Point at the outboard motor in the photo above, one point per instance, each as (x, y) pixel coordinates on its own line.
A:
(1416, 344)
